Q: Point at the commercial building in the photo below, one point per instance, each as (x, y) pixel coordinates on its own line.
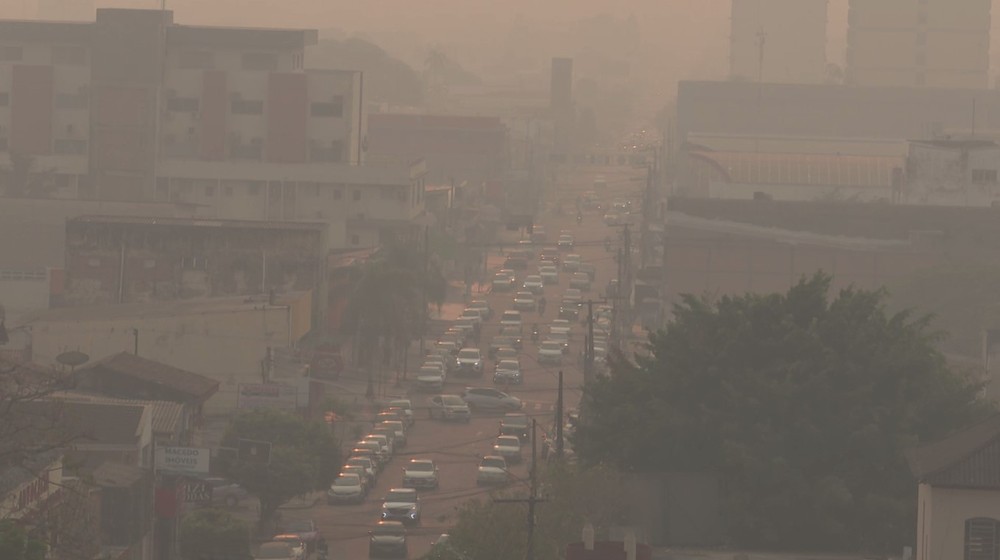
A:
(932, 43)
(136, 107)
(779, 41)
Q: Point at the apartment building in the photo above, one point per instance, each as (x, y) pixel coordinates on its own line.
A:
(919, 43)
(778, 41)
(135, 107)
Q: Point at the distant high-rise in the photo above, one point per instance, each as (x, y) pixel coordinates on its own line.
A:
(778, 41)
(66, 10)
(932, 43)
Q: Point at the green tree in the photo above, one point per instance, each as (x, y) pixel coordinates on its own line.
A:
(802, 404)
(386, 309)
(213, 532)
(574, 496)
(15, 544)
(304, 457)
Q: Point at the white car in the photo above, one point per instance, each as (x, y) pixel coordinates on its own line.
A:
(346, 489)
(550, 352)
(474, 315)
(534, 284)
(430, 377)
(276, 550)
(562, 337)
(560, 326)
(549, 274)
(508, 447)
(511, 318)
(490, 398)
(406, 406)
(420, 473)
(448, 407)
(492, 470)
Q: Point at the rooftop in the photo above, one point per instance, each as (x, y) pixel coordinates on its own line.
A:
(156, 373)
(967, 458)
(197, 223)
(802, 169)
(160, 309)
(166, 415)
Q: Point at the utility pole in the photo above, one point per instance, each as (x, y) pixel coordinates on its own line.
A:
(423, 292)
(533, 498)
(588, 348)
(135, 341)
(559, 420)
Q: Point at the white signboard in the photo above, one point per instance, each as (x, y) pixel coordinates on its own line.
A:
(194, 460)
(266, 395)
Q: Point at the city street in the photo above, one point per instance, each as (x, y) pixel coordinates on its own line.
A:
(457, 447)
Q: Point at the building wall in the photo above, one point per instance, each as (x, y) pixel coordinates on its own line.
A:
(226, 342)
(941, 518)
(159, 263)
(933, 43)
(966, 176)
(794, 42)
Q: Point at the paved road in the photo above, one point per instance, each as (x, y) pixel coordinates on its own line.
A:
(457, 447)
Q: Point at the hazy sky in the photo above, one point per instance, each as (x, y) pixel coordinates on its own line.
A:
(691, 36)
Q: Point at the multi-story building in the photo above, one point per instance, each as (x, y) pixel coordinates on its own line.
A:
(135, 107)
(778, 41)
(932, 43)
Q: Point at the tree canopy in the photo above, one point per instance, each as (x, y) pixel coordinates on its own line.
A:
(15, 544)
(574, 496)
(304, 457)
(802, 405)
(213, 533)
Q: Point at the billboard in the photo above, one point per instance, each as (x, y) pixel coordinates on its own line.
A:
(193, 460)
(266, 395)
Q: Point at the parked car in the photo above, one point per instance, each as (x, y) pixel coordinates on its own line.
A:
(403, 505)
(298, 547)
(474, 315)
(490, 398)
(226, 492)
(399, 427)
(306, 530)
(483, 306)
(387, 540)
(508, 447)
(366, 481)
(508, 371)
(431, 377)
(367, 464)
(420, 473)
(507, 353)
(406, 406)
(275, 551)
(538, 235)
(511, 318)
(516, 424)
(565, 242)
(550, 255)
(346, 489)
(589, 269)
(448, 407)
(492, 470)
(571, 262)
(498, 342)
(513, 331)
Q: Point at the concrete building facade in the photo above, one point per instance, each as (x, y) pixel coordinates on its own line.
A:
(780, 41)
(925, 43)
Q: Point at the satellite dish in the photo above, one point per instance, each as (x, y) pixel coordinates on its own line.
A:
(73, 358)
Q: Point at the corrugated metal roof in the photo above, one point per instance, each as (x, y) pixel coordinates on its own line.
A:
(166, 415)
(802, 169)
(969, 458)
(158, 373)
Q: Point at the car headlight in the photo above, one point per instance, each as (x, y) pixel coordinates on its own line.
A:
(413, 515)
(385, 514)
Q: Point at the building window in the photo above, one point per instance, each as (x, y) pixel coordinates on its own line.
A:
(338, 194)
(79, 100)
(984, 176)
(982, 539)
(66, 55)
(196, 60)
(183, 104)
(921, 79)
(355, 240)
(254, 188)
(357, 195)
(209, 191)
(921, 39)
(246, 106)
(4, 99)
(260, 61)
(70, 146)
(333, 108)
(921, 58)
(11, 53)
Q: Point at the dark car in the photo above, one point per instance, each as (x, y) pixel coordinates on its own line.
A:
(551, 255)
(516, 424)
(516, 263)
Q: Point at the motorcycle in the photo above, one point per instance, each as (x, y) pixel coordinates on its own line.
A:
(579, 218)
(534, 335)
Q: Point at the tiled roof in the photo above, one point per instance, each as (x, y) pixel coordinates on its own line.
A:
(177, 379)
(967, 458)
